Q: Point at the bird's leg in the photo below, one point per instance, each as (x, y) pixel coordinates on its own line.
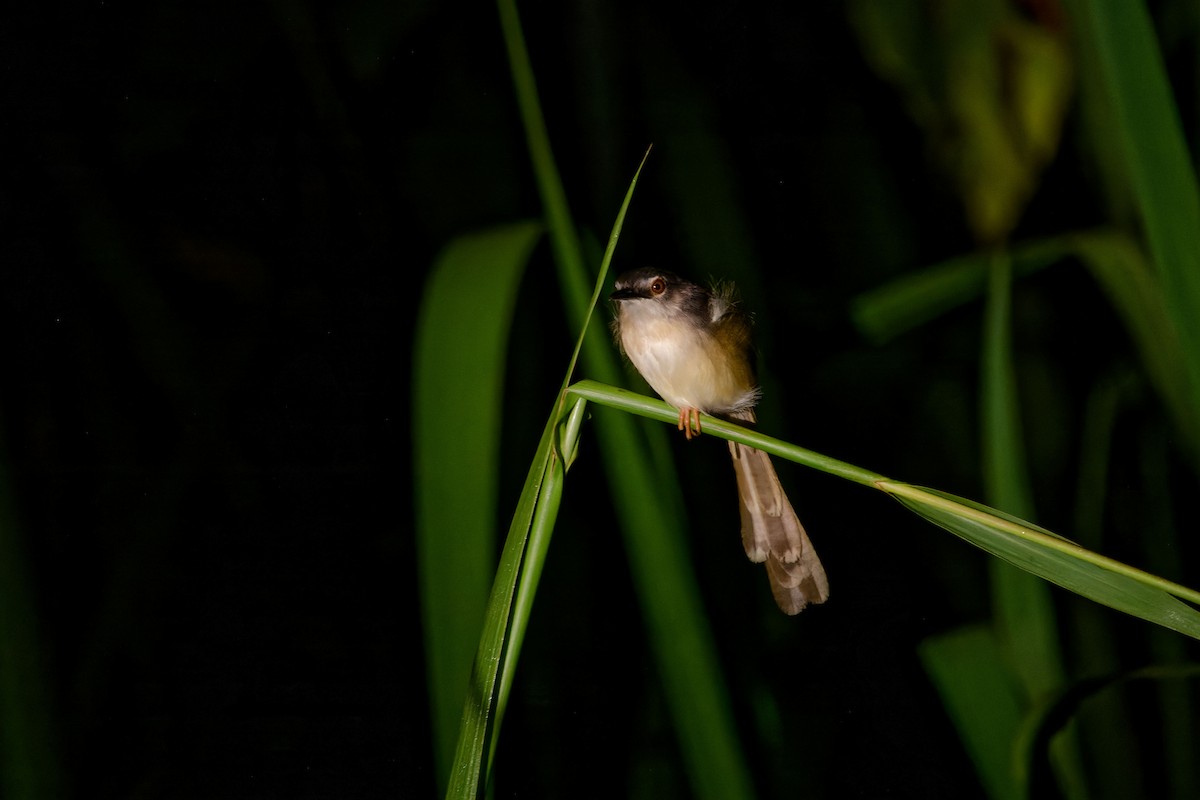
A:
(689, 422)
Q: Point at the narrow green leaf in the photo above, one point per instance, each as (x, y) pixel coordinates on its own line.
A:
(1150, 136)
(1029, 546)
(1067, 704)
(651, 521)
(1056, 559)
(1176, 701)
(468, 776)
(564, 239)
(541, 530)
(459, 357)
(1115, 261)
(652, 408)
(919, 297)
(517, 577)
(29, 765)
(1107, 735)
(1022, 605)
(969, 670)
(1005, 479)
(1119, 265)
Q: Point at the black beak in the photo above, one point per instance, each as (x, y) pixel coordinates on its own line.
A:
(626, 294)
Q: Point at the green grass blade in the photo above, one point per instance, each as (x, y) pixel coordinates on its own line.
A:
(1150, 136)
(541, 530)
(1022, 605)
(1107, 734)
(1176, 700)
(1056, 559)
(520, 570)
(1030, 547)
(563, 449)
(601, 279)
(1119, 265)
(28, 762)
(1072, 702)
(468, 776)
(1115, 261)
(969, 669)
(540, 533)
(459, 357)
(914, 299)
(651, 522)
(1005, 478)
(564, 239)
(651, 408)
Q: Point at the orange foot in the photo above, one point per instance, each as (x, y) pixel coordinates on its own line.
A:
(689, 422)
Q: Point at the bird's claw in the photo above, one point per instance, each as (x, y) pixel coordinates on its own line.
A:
(689, 422)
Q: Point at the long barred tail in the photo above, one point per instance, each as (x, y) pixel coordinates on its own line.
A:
(772, 532)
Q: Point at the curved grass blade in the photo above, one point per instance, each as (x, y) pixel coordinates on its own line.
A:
(912, 300)
(459, 357)
(1120, 266)
(1056, 559)
(1149, 134)
(468, 776)
(655, 409)
(517, 577)
(651, 516)
(564, 445)
(1029, 546)
(1065, 706)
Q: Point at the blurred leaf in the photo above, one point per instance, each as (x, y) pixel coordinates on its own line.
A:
(458, 377)
(28, 762)
(1119, 265)
(989, 88)
(1005, 477)
(1107, 734)
(1160, 541)
(911, 300)
(1067, 704)
(1149, 135)
(1115, 261)
(971, 674)
(1022, 607)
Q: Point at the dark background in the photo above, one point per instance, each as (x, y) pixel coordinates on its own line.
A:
(218, 221)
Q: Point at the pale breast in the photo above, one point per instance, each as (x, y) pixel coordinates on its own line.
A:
(685, 365)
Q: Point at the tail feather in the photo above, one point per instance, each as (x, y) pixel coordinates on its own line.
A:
(772, 532)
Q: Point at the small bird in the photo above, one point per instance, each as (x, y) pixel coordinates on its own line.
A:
(693, 346)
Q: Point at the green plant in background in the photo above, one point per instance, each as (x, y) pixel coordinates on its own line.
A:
(1135, 132)
(1017, 542)
(1005, 684)
(29, 763)
(651, 516)
(1036, 550)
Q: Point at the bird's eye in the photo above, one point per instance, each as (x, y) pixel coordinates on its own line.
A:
(658, 287)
